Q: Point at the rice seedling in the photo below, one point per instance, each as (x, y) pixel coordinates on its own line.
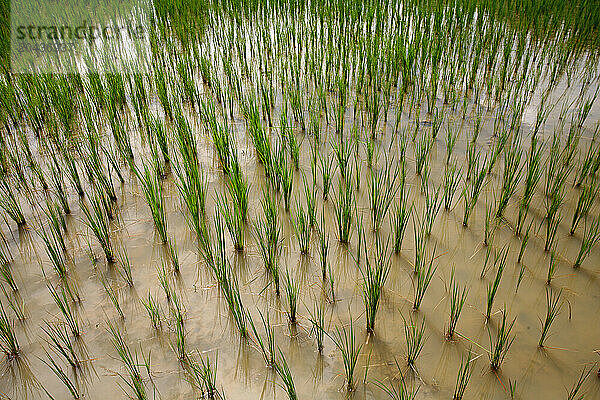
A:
(331, 279)
(432, 208)
(532, 178)
(61, 344)
(584, 204)
(343, 210)
(490, 223)
(192, 188)
(374, 277)
(552, 266)
(422, 280)
(234, 221)
(400, 392)
(420, 236)
(415, 339)
(204, 376)
(64, 306)
(457, 302)
(381, 193)
(422, 148)
(591, 236)
(551, 223)
(8, 337)
(464, 375)
(10, 203)
(573, 393)
(179, 347)
(510, 177)
(71, 386)
(451, 179)
(400, 219)
(342, 151)
(302, 230)
(292, 291)
(326, 172)
(287, 180)
(501, 344)
(553, 306)
(344, 339)
(476, 181)
(112, 295)
(165, 282)
(323, 249)
(310, 195)
(153, 193)
(238, 187)
(6, 274)
(154, 311)
(266, 345)
(317, 320)
(97, 221)
(283, 370)
(492, 289)
(230, 289)
(452, 135)
(125, 268)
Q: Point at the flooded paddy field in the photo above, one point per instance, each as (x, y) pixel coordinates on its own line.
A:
(312, 201)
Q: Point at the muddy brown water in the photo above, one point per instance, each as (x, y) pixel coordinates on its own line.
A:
(241, 373)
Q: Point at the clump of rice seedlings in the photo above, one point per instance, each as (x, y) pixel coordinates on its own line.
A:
(58, 182)
(524, 242)
(6, 275)
(422, 280)
(10, 203)
(591, 236)
(331, 279)
(342, 151)
(490, 223)
(552, 266)
(400, 219)
(204, 376)
(472, 194)
(125, 268)
(266, 232)
(8, 337)
(283, 370)
(234, 221)
(266, 345)
(451, 179)
(153, 193)
(61, 344)
(302, 230)
(464, 375)
(422, 149)
(68, 312)
(131, 363)
(71, 386)
(381, 193)
(292, 291)
(323, 248)
(230, 289)
(310, 195)
(532, 178)
(317, 320)
(420, 235)
(492, 289)
(576, 388)
(113, 296)
(343, 210)
(238, 188)
(344, 339)
(97, 221)
(152, 307)
(400, 392)
(501, 344)
(589, 165)
(164, 281)
(552, 222)
(179, 346)
(457, 301)
(451, 137)
(374, 277)
(584, 204)
(432, 208)
(510, 177)
(415, 339)
(326, 173)
(553, 306)
(287, 180)
(192, 188)
(72, 171)
(291, 142)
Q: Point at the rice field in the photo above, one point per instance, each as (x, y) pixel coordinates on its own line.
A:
(310, 200)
